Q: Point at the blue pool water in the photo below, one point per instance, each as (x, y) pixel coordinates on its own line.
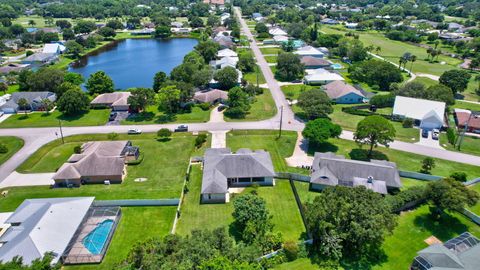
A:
(336, 66)
(96, 239)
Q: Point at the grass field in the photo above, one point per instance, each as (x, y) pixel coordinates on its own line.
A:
(466, 105)
(271, 59)
(136, 225)
(153, 116)
(470, 145)
(272, 50)
(262, 108)
(426, 81)
(251, 77)
(476, 208)
(164, 166)
(13, 144)
(40, 119)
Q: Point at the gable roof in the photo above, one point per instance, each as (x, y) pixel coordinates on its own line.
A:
(308, 50)
(314, 61)
(112, 99)
(52, 48)
(36, 227)
(39, 57)
(321, 74)
(210, 95)
(226, 53)
(330, 169)
(338, 89)
(277, 32)
(416, 108)
(31, 97)
(220, 164)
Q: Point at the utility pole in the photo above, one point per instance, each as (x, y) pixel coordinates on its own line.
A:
(61, 131)
(281, 120)
(473, 114)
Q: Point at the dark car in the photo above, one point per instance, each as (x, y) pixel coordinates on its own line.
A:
(181, 128)
(112, 116)
(424, 133)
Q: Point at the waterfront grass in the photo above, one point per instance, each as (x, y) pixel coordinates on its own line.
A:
(92, 117)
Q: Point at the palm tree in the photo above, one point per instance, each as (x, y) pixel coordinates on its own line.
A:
(31, 22)
(438, 53)
(23, 105)
(378, 49)
(413, 58)
(429, 52)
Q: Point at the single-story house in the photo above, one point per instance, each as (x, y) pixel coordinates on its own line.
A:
(311, 62)
(224, 41)
(223, 169)
(224, 17)
(280, 39)
(42, 225)
(351, 25)
(341, 92)
(13, 67)
(453, 26)
(176, 24)
(53, 48)
(329, 170)
(277, 32)
(256, 15)
(321, 76)
(329, 21)
(226, 53)
(181, 31)
(40, 58)
(309, 51)
(214, 2)
(428, 114)
(210, 96)
(118, 101)
(463, 116)
(97, 163)
(224, 62)
(34, 100)
(460, 253)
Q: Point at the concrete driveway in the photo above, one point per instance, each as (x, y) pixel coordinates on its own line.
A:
(120, 116)
(429, 142)
(219, 138)
(16, 179)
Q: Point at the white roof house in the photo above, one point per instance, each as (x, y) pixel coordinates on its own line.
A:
(226, 53)
(224, 62)
(309, 51)
(53, 48)
(429, 113)
(277, 32)
(279, 39)
(42, 225)
(321, 76)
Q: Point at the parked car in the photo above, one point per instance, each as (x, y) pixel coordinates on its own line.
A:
(134, 131)
(181, 128)
(424, 133)
(435, 134)
(112, 116)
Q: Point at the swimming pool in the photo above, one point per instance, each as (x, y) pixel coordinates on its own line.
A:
(97, 238)
(336, 66)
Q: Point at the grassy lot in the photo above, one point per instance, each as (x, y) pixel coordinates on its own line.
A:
(262, 108)
(136, 225)
(470, 145)
(12, 88)
(476, 208)
(404, 160)
(392, 50)
(426, 81)
(164, 167)
(13, 144)
(293, 91)
(153, 116)
(272, 50)
(271, 59)
(251, 77)
(40, 119)
(466, 105)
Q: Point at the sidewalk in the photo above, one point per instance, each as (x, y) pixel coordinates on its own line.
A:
(219, 139)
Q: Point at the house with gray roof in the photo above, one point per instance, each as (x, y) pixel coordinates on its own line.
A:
(39, 226)
(97, 162)
(40, 58)
(330, 170)
(210, 96)
(341, 92)
(461, 253)
(34, 100)
(118, 101)
(223, 169)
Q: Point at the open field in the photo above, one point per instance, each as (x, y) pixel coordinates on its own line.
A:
(476, 208)
(153, 116)
(251, 77)
(40, 119)
(470, 145)
(262, 108)
(271, 59)
(13, 144)
(164, 166)
(271, 50)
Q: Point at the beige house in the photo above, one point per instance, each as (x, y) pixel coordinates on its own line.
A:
(118, 101)
(97, 163)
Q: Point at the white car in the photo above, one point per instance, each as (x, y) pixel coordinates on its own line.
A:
(134, 131)
(435, 134)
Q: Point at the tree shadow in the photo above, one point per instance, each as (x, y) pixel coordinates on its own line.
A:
(140, 117)
(445, 228)
(164, 139)
(23, 117)
(166, 118)
(362, 154)
(376, 256)
(68, 118)
(322, 147)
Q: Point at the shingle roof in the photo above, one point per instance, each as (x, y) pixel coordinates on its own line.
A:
(314, 61)
(330, 169)
(31, 97)
(112, 99)
(43, 225)
(220, 164)
(337, 89)
(39, 57)
(210, 95)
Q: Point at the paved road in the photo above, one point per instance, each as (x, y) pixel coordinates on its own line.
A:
(36, 137)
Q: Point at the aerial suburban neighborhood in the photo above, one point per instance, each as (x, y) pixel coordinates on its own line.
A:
(239, 134)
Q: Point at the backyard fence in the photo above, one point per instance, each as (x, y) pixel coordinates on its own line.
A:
(153, 202)
(472, 182)
(179, 205)
(419, 176)
(474, 217)
(293, 176)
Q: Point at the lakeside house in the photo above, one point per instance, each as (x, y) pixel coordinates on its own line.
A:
(210, 96)
(40, 58)
(53, 48)
(321, 76)
(13, 67)
(97, 163)
(460, 253)
(34, 99)
(329, 169)
(226, 53)
(341, 92)
(117, 101)
(224, 62)
(223, 169)
(224, 41)
(427, 114)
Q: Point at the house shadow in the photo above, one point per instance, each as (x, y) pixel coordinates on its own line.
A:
(321, 147)
(362, 155)
(445, 228)
(377, 256)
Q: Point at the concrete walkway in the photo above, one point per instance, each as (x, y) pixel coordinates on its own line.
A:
(16, 179)
(299, 157)
(219, 138)
(430, 76)
(216, 116)
(4, 117)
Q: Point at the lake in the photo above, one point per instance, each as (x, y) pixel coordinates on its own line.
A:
(134, 62)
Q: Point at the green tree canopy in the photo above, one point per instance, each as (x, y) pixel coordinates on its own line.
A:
(169, 98)
(227, 77)
(289, 67)
(376, 72)
(315, 103)
(374, 130)
(158, 80)
(107, 32)
(456, 79)
(73, 102)
(246, 63)
(238, 103)
(252, 218)
(46, 79)
(320, 130)
(163, 32)
(140, 98)
(74, 48)
(84, 27)
(207, 49)
(99, 83)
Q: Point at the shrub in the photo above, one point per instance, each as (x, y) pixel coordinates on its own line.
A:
(459, 176)
(136, 161)
(112, 136)
(291, 250)
(28, 53)
(451, 136)
(383, 101)
(400, 200)
(204, 106)
(3, 148)
(200, 140)
(164, 133)
(77, 149)
(407, 123)
(263, 35)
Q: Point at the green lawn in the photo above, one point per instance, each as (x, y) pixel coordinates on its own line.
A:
(137, 224)
(466, 105)
(272, 50)
(164, 166)
(251, 77)
(293, 91)
(13, 144)
(476, 208)
(40, 119)
(470, 145)
(262, 108)
(426, 81)
(12, 88)
(271, 59)
(153, 116)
